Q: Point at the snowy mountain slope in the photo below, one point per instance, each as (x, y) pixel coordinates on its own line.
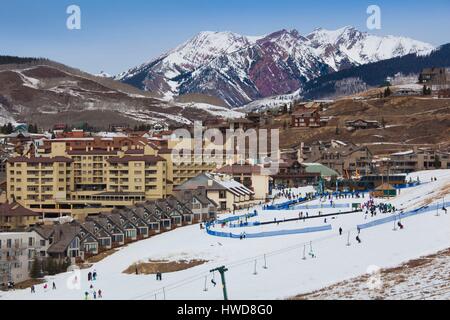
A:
(287, 274)
(45, 92)
(347, 46)
(240, 69)
(370, 75)
(205, 46)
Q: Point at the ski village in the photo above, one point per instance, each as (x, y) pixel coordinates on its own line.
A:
(287, 166)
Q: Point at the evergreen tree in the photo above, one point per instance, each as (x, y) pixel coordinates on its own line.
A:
(35, 271)
(9, 128)
(51, 266)
(437, 162)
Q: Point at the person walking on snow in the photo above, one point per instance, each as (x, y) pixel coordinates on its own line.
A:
(33, 289)
(99, 293)
(358, 239)
(340, 231)
(94, 275)
(89, 276)
(54, 286)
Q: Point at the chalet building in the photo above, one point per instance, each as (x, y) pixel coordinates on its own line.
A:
(127, 226)
(203, 208)
(222, 189)
(251, 176)
(15, 217)
(361, 124)
(347, 159)
(141, 227)
(103, 236)
(182, 209)
(435, 76)
(307, 119)
(293, 174)
(70, 241)
(150, 219)
(163, 219)
(116, 232)
(81, 240)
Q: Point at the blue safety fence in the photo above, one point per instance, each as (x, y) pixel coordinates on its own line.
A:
(397, 217)
(234, 218)
(407, 185)
(286, 205)
(245, 224)
(268, 233)
(321, 206)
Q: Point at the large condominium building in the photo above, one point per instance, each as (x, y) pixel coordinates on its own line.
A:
(82, 176)
(415, 160)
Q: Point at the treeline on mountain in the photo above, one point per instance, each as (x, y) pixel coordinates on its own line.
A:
(375, 74)
(17, 60)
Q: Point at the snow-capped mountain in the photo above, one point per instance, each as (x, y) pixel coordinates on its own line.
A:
(347, 47)
(240, 69)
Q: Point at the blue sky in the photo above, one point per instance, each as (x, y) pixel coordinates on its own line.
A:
(118, 34)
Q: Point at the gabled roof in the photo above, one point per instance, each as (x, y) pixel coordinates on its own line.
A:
(63, 236)
(45, 231)
(16, 210)
(146, 216)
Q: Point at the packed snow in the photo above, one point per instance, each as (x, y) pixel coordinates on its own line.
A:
(287, 274)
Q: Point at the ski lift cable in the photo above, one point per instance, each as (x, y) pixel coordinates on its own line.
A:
(233, 265)
(247, 261)
(240, 263)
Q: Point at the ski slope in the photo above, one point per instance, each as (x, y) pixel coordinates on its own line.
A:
(287, 274)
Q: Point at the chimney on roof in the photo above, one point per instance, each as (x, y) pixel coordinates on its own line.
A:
(187, 194)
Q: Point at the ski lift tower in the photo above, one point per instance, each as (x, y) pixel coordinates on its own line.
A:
(222, 271)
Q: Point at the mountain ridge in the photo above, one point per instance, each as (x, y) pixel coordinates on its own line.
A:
(240, 69)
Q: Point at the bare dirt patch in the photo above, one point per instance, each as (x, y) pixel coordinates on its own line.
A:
(28, 283)
(154, 266)
(99, 257)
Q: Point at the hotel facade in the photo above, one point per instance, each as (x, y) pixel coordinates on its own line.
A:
(82, 176)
